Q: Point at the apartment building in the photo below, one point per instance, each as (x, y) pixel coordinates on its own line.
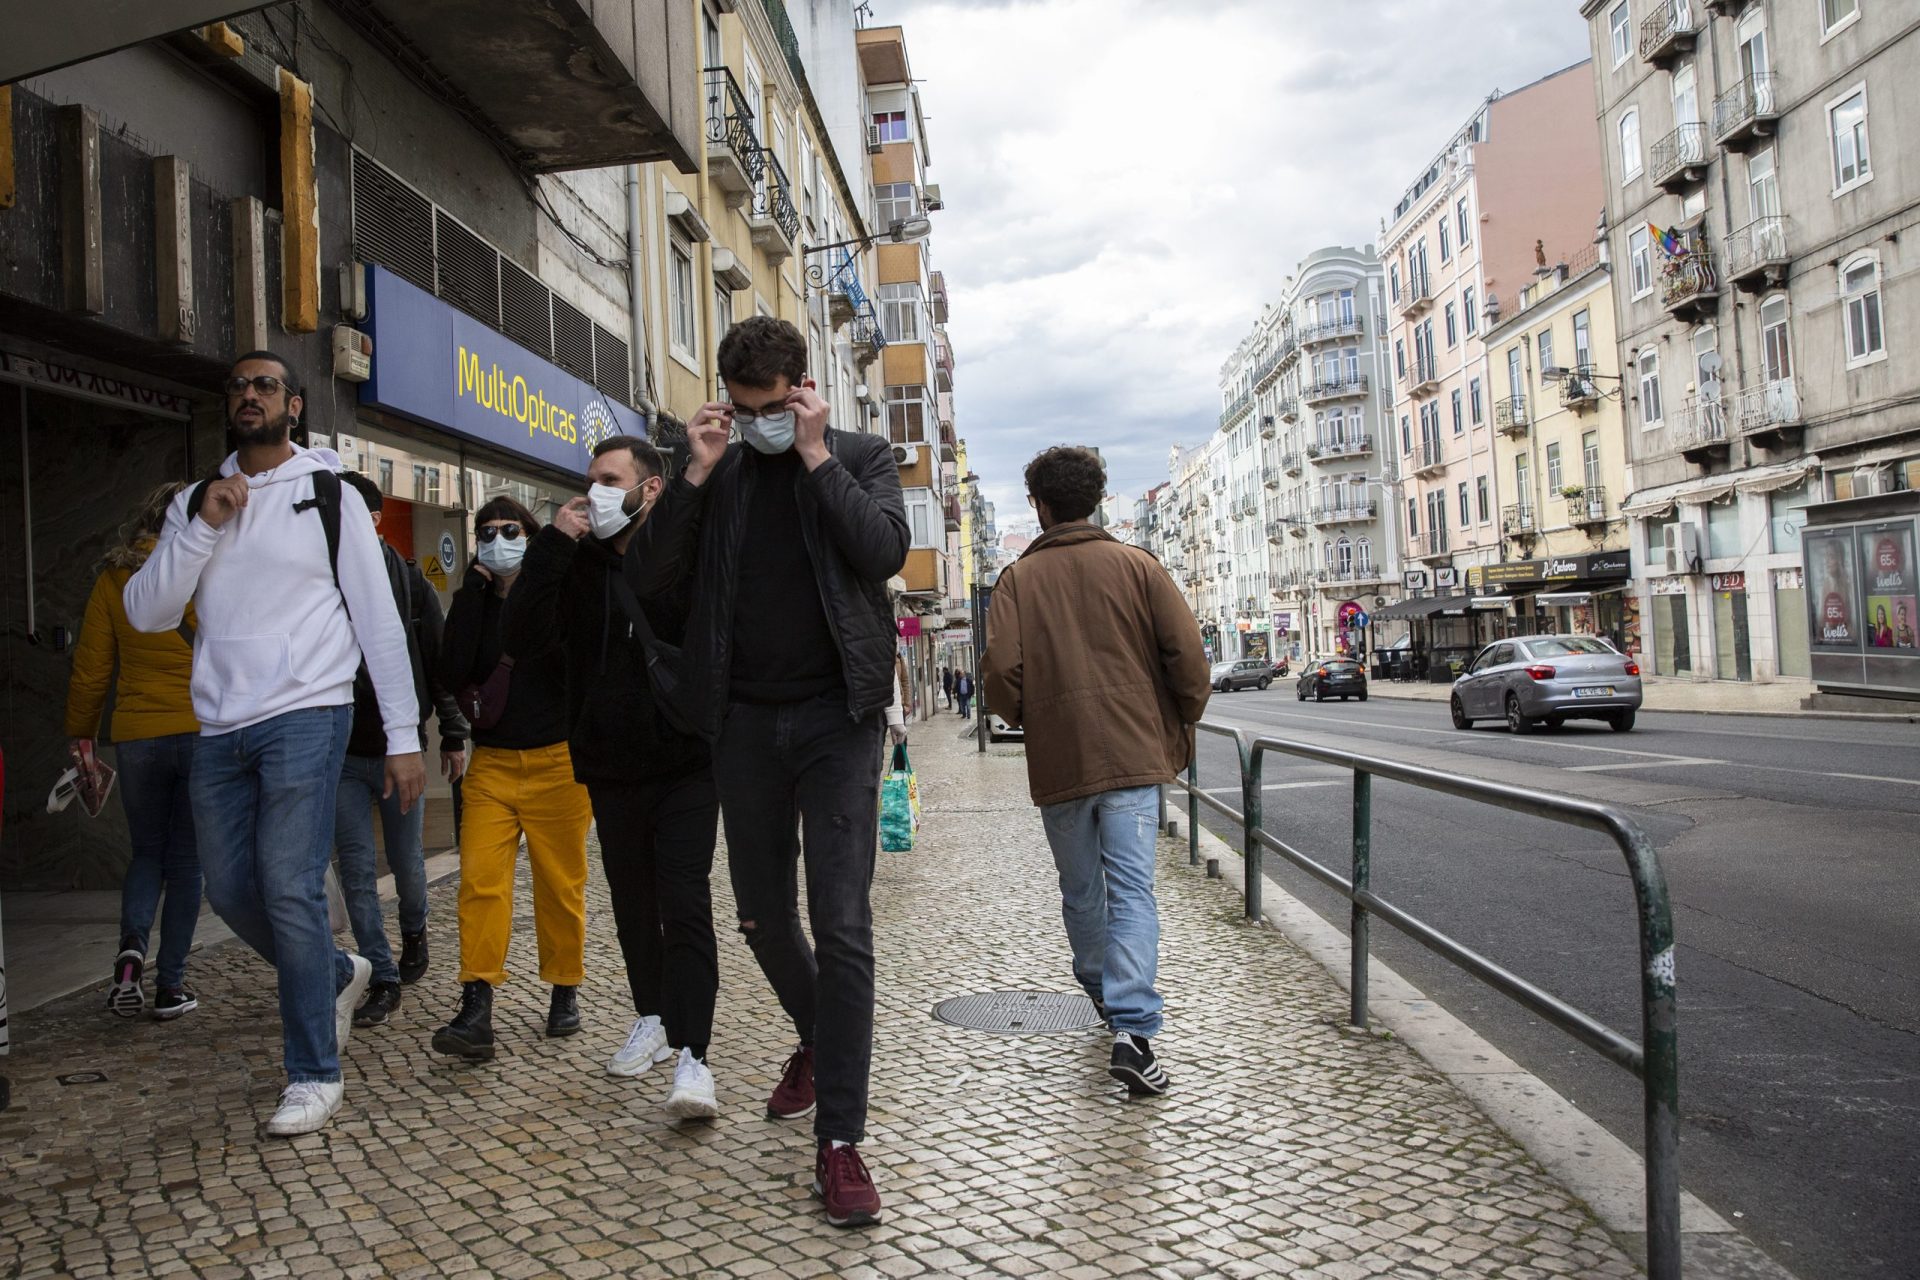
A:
(1759, 213)
(1513, 191)
(1560, 452)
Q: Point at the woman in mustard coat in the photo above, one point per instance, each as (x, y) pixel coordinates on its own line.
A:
(153, 732)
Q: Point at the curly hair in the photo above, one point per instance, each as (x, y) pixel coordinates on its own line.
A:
(138, 534)
(1069, 479)
(760, 350)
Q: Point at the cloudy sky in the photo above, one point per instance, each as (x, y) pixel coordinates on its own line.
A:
(1128, 181)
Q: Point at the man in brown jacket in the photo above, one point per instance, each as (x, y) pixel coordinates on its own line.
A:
(1091, 648)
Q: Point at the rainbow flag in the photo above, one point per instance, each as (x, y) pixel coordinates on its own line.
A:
(1670, 241)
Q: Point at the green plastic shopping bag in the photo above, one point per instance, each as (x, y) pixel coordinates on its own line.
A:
(899, 804)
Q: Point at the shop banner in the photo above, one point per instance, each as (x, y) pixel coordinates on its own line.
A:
(443, 368)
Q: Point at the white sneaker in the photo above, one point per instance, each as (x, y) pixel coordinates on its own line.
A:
(692, 1094)
(343, 1006)
(646, 1044)
(305, 1107)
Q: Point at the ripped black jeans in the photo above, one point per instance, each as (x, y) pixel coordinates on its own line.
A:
(806, 768)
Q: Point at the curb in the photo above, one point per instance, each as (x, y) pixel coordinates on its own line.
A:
(1889, 717)
(1589, 1161)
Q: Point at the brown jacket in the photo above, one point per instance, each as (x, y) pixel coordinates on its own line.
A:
(1092, 649)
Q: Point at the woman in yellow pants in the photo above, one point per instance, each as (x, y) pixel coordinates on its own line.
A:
(520, 783)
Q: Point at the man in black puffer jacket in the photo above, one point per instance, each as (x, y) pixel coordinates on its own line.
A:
(651, 786)
(788, 539)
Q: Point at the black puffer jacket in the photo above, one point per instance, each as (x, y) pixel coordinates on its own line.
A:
(855, 523)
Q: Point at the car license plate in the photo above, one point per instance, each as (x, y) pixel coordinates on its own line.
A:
(1594, 691)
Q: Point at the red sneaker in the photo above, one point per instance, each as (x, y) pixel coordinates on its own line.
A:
(793, 1096)
(841, 1180)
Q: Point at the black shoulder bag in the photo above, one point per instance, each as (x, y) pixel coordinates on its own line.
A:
(664, 676)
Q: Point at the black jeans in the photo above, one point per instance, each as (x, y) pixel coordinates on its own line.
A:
(780, 769)
(656, 845)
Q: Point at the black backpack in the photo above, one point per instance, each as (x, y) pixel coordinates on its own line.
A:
(326, 498)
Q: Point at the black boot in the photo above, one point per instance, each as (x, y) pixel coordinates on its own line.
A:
(470, 1034)
(563, 1015)
(413, 956)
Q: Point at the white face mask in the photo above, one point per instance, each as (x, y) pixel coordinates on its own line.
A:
(503, 555)
(606, 510)
(768, 432)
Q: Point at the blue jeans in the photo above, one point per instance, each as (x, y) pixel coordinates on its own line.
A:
(263, 800)
(153, 790)
(362, 778)
(1104, 847)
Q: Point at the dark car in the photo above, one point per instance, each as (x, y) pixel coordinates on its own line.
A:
(1242, 673)
(1325, 678)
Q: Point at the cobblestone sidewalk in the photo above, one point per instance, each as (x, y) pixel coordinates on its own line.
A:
(1287, 1147)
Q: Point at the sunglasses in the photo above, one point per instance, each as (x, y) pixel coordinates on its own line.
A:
(510, 532)
(266, 384)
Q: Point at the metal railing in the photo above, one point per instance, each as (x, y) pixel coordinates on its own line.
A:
(1683, 149)
(1688, 281)
(1655, 1059)
(773, 198)
(1417, 294)
(1517, 521)
(730, 121)
(1757, 246)
(1328, 330)
(1669, 28)
(1753, 98)
(1701, 424)
(1351, 446)
(1768, 406)
(1587, 505)
(1510, 415)
(1334, 386)
(1430, 456)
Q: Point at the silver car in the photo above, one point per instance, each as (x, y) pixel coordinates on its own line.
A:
(1530, 680)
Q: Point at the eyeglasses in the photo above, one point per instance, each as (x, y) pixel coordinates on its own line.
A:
(266, 384)
(488, 532)
(743, 417)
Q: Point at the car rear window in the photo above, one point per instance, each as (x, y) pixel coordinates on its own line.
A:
(1562, 646)
(1341, 666)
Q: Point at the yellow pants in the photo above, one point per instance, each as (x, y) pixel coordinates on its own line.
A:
(507, 794)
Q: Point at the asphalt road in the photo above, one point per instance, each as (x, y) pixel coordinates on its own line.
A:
(1792, 850)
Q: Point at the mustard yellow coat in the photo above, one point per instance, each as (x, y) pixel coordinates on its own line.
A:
(156, 671)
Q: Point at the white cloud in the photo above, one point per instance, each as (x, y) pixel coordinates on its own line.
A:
(1128, 181)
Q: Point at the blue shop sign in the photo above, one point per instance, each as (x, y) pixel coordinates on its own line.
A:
(442, 367)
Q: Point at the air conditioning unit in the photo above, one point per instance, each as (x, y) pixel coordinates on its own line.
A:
(930, 198)
(905, 455)
(1680, 543)
(1868, 481)
(874, 144)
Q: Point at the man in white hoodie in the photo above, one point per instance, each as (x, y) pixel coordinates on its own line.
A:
(282, 630)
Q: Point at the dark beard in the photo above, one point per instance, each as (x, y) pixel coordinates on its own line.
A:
(269, 431)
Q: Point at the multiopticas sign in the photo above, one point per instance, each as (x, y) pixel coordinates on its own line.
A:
(509, 396)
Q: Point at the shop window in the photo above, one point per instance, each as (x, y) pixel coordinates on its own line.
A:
(1723, 530)
(920, 516)
(1790, 626)
(1672, 641)
(1787, 515)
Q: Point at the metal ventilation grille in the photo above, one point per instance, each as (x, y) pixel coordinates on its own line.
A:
(572, 340)
(469, 270)
(525, 311)
(392, 223)
(610, 360)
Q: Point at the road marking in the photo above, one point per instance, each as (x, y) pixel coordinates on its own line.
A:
(1857, 777)
(1224, 792)
(1639, 764)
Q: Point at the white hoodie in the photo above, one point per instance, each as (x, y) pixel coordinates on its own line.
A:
(273, 635)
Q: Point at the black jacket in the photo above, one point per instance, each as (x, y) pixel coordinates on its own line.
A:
(855, 524)
(615, 735)
(419, 608)
(475, 639)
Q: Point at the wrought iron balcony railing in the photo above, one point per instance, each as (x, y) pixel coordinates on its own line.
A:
(1757, 255)
(1517, 521)
(1353, 446)
(1355, 512)
(1428, 456)
(1416, 295)
(1587, 505)
(1679, 160)
(1747, 111)
(1700, 427)
(1240, 406)
(1689, 286)
(1579, 389)
(1770, 408)
(773, 209)
(1434, 545)
(1510, 416)
(1334, 387)
(1331, 330)
(1669, 31)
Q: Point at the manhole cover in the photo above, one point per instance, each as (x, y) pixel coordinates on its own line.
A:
(1019, 1012)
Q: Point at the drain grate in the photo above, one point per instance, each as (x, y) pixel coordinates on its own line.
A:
(1018, 1013)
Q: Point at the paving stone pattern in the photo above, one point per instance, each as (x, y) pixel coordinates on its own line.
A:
(1288, 1146)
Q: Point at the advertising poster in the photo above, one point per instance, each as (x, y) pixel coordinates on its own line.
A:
(1833, 596)
(1888, 583)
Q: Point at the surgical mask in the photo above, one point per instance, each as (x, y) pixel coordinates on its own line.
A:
(606, 510)
(503, 555)
(767, 432)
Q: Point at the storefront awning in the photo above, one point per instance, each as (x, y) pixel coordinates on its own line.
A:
(1649, 504)
(1429, 607)
(1551, 598)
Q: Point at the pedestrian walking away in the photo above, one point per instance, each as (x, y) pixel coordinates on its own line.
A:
(520, 783)
(650, 784)
(281, 564)
(788, 538)
(153, 732)
(362, 789)
(1092, 650)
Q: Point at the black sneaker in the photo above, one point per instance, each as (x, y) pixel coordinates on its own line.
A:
(382, 999)
(170, 1002)
(125, 997)
(413, 957)
(470, 1034)
(563, 1014)
(1134, 1065)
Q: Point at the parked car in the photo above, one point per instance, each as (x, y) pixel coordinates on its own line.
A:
(1325, 678)
(1532, 680)
(999, 730)
(1242, 673)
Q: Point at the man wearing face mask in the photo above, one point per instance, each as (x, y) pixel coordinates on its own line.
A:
(651, 786)
(787, 541)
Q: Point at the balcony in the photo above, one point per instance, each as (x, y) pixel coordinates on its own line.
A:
(1748, 112)
(942, 360)
(1769, 415)
(1276, 530)
(733, 156)
(1270, 477)
(774, 221)
(1340, 387)
(949, 445)
(1429, 459)
(1423, 376)
(845, 297)
(1510, 417)
(1700, 432)
(1578, 390)
(1689, 287)
(1241, 406)
(1359, 511)
(1248, 505)
(1587, 507)
(1290, 463)
(1669, 32)
(1338, 580)
(1433, 546)
(1357, 446)
(937, 293)
(1285, 583)
(1332, 330)
(867, 337)
(1417, 295)
(1268, 429)
(1757, 254)
(1679, 160)
(1288, 409)
(1518, 522)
